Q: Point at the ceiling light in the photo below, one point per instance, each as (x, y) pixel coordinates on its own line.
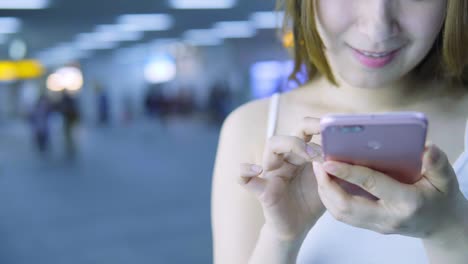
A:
(202, 37)
(202, 4)
(3, 39)
(267, 20)
(66, 78)
(145, 22)
(234, 29)
(9, 25)
(23, 4)
(96, 45)
(113, 33)
(199, 34)
(160, 69)
(204, 42)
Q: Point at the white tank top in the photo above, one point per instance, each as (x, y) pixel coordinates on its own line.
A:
(333, 242)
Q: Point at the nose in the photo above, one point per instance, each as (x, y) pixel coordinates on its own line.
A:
(377, 20)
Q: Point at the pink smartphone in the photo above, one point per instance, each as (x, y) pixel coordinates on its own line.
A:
(392, 143)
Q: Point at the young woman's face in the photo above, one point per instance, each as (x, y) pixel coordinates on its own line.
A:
(370, 43)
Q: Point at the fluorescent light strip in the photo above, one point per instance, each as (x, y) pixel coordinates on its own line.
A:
(62, 53)
(3, 39)
(204, 42)
(84, 37)
(267, 20)
(145, 22)
(234, 29)
(96, 45)
(202, 4)
(23, 4)
(113, 33)
(200, 34)
(9, 25)
(202, 37)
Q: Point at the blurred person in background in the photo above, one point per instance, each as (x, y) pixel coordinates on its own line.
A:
(127, 109)
(70, 113)
(361, 56)
(155, 103)
(102, 104)
(185, 104)
(219, 102)
(151, 102)
(39, 118)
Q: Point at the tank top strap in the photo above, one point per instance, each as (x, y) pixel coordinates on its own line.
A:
(466, 136)
(463, 159)
(273, 114)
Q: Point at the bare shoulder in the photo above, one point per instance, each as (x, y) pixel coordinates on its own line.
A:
(236, 214)
(250, 113)
(458, 103)
(245, 129)
(308, 100)
(246, 126)
(463, 103)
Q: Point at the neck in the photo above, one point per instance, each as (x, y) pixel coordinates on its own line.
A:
(398, 95)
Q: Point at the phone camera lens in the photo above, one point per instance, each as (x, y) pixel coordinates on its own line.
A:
(351, 129)
(358, 128)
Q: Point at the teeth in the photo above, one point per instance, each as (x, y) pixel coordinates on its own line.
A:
(375, 55)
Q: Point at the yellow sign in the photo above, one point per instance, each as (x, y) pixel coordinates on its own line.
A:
(288, 39)
(20, 70)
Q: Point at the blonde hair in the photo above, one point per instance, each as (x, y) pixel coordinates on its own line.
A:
(447, 59)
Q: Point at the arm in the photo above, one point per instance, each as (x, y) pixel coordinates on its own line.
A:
(236, 214)
(284, 189)
(272, 249)
(450, 245)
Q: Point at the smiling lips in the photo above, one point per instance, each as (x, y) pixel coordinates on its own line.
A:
(375, 60)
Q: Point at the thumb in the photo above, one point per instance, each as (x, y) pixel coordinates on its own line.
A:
(437, 169)
(250, 180)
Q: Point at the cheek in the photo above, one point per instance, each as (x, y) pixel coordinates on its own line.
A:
(333, 18)
(423, 24)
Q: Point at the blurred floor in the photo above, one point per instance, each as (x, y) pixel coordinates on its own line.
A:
(138, 194)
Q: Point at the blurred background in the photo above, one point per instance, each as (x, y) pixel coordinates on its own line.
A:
(109, 120)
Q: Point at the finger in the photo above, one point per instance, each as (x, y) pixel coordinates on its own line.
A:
(326, 183)
(314, 151)
(294, 159)
(378, 184)
(248, 171)
(249, 178)
(317, 149)
(255, 185)
(353, 210)
(278, 146)
(308, 127)
(287, 172)
(438, 170)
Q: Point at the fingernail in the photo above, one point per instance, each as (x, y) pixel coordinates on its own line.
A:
(256, 169)
(311, 152)
(434, 155)
(331, 168)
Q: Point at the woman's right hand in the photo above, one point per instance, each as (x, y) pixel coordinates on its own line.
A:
(285, 184)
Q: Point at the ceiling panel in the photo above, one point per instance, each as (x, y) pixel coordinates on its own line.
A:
(64, 19)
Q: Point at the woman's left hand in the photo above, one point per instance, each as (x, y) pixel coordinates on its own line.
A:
(418, 210)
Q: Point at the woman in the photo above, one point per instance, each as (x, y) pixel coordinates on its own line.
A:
(360, 56)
